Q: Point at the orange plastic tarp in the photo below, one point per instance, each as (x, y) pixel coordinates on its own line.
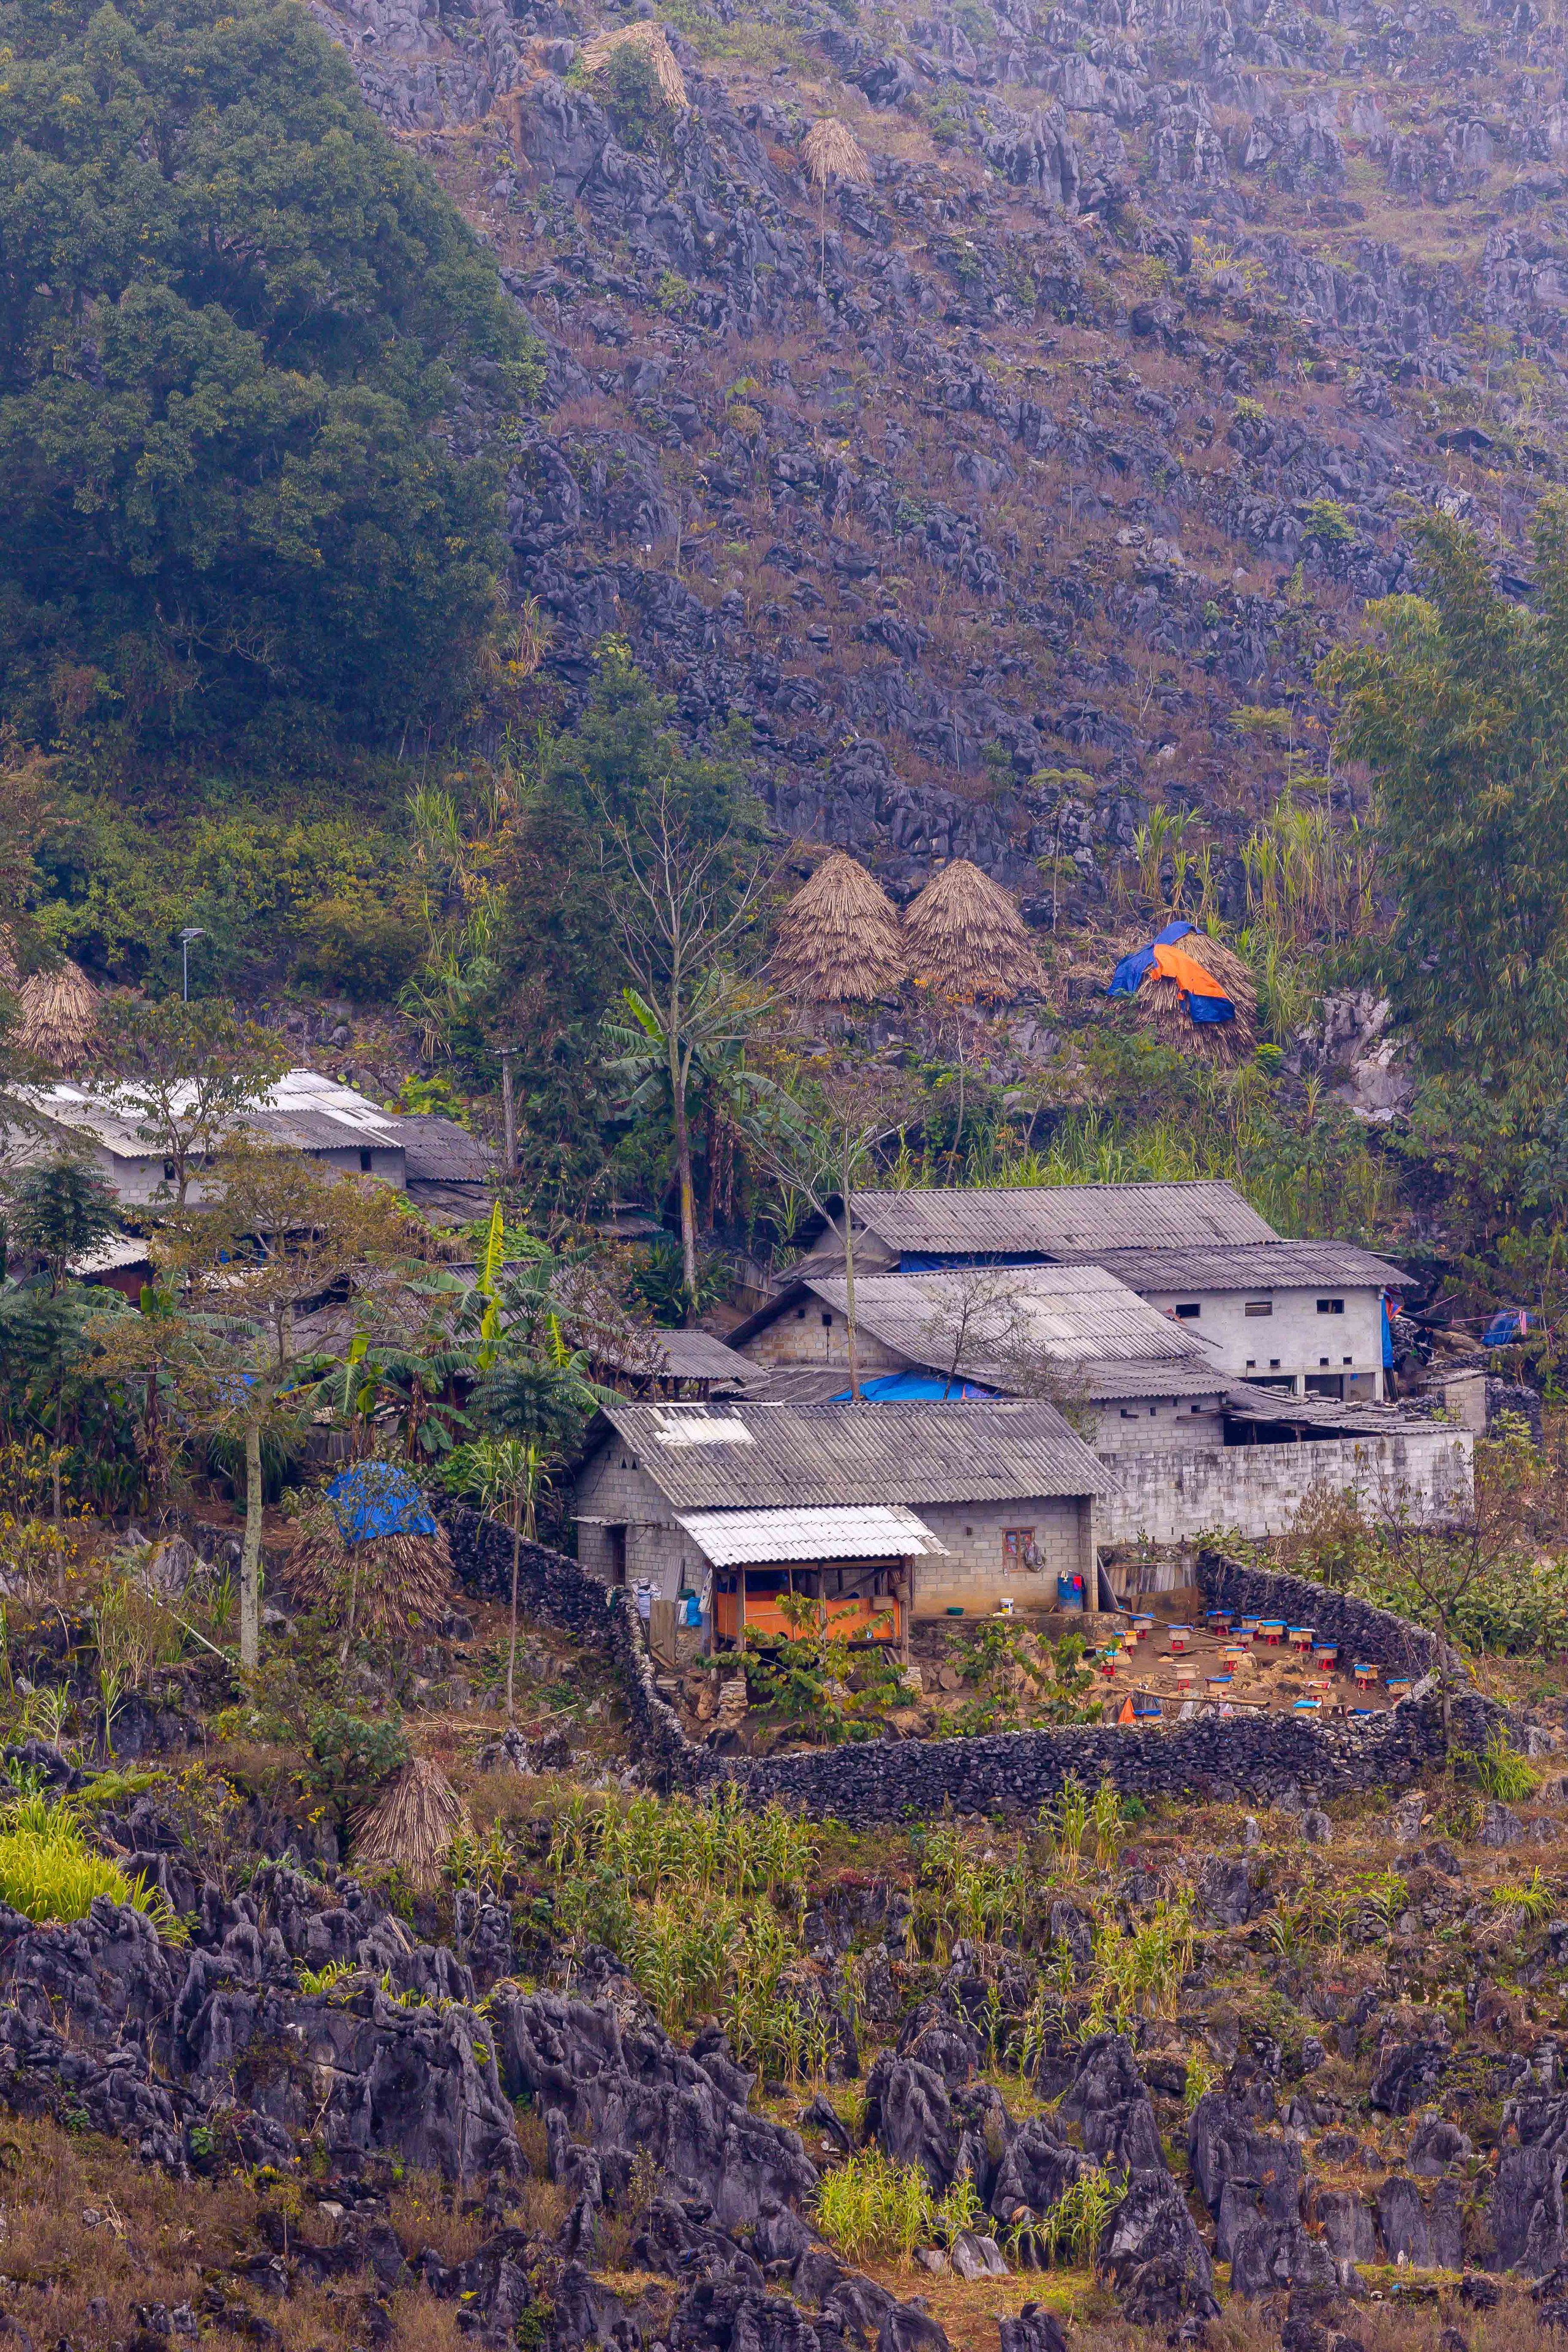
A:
(1170, 963)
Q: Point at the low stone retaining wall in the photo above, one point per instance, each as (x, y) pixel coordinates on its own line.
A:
(1375, 1634)
(1246, 1756)
(1240, 1757)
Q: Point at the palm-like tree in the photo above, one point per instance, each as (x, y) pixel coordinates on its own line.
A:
(538, 1406)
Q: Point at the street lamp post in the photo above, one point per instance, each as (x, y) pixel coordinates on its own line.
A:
(187, 936)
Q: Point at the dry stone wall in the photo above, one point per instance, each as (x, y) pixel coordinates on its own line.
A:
(1252, 1757)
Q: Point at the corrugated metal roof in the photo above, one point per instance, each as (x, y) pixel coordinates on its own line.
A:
(1263, 1265)
(1113, 1383)
(992, 1320)
(1061, 1219)
(439, 1151)
(723, 1457)
(698, 1356)
(112, 1256)
(301, 1129)
(874, 1531)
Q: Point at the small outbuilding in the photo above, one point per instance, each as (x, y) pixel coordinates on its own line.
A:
(861, 1516)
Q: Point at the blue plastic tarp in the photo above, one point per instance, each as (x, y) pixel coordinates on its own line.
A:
(1210, 1009)
(898, 1388)
(378, 1498)
(1128, 977)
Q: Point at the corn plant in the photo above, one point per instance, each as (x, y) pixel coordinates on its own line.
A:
(1382, 1895)
(1066, 1823)
(1076, 2222)
(871, 2207)
(1286, 1930)
(1201, 2080)
(1105, 1818)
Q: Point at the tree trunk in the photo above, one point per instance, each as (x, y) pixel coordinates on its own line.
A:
(683, 1169)
(250, 1557)
(508, 1109)
(516, 1562)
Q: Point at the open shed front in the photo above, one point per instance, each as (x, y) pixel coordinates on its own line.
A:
(845, 1571)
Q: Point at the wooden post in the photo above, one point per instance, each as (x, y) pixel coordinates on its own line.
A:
(509, 1108)
(741, 1613)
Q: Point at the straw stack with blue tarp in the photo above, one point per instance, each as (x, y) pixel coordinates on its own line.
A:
(374, 1553)
(1194, 992)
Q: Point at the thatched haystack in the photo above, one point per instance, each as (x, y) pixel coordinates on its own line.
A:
(967, 941)
(377, 1557)
(839, 941)
(830, 151)
(1160, 1006)
(649, 36)
(412, 1826)
(59, 1012)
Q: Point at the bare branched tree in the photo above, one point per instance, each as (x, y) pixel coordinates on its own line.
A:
(679, 904)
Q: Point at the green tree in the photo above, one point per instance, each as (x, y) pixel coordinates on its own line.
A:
(277, 1235)
(234, 317)
(60, 1211)
(559, 965)
(1460, 707)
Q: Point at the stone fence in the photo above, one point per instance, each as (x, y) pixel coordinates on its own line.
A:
(1247, 1756)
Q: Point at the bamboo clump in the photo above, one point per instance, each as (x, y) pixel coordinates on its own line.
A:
(651, 37)
(967, 940)
(411, 1827)
(839, 941)
(58, 1014)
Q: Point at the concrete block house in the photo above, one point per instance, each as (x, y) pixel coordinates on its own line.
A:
(1222, 1374)
(871, 1513)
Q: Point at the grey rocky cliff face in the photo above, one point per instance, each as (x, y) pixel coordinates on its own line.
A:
(1097, 415)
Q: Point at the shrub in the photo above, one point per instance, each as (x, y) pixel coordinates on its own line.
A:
(1502, 1772)
(351, 1758)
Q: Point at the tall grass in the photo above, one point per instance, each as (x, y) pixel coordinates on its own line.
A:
(48, 1873)
(873, 2208)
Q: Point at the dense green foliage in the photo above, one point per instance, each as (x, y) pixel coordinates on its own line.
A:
(1462, 711)
(254, 377)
